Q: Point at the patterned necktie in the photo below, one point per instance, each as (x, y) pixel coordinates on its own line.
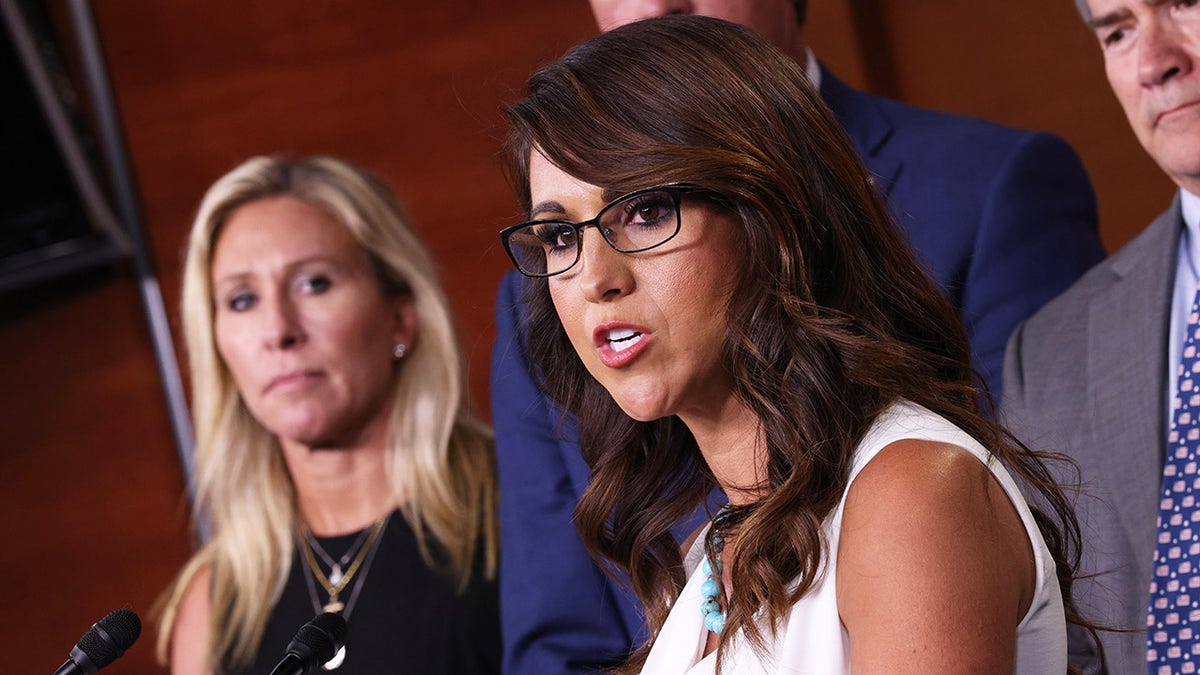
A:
(1173, 624)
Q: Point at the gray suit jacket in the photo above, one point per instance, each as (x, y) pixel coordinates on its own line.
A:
(1086, 376)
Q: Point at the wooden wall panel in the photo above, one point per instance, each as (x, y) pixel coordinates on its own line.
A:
(91, 501)
(91, 509)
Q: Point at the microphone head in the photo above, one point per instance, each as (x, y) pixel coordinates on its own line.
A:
(319, 640)
(110, 637)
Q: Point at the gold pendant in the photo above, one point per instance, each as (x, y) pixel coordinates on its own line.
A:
(334, 605)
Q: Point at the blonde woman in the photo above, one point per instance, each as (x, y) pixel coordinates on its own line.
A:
(335, 459)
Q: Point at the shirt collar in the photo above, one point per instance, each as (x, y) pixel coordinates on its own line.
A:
(1191, 211)
(812, 68)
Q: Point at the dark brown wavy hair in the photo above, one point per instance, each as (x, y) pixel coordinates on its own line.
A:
(831, 319)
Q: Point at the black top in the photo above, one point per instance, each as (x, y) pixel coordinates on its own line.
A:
(407, 618)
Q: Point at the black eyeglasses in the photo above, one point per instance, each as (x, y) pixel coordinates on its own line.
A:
(639, 221)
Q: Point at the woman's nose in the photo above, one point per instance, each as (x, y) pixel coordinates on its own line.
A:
(604, 272)
(283, 329)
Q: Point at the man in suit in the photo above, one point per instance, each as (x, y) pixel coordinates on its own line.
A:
(1004, 219)
(1095, 373)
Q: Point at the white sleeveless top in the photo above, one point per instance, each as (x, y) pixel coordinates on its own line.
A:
(812, 640)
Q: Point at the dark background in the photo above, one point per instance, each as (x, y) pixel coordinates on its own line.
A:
(92, 508)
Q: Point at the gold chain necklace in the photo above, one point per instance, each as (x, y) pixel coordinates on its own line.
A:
(334, 589)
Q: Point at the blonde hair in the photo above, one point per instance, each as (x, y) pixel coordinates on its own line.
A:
(439, 456)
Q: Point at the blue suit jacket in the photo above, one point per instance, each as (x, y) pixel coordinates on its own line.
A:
(1004, 219)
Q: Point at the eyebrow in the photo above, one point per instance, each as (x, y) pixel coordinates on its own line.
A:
(1112, 18)
(551, 206)
(1118, 15)
(290, 268)
(548, 206)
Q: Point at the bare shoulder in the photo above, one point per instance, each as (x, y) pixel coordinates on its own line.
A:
(935, 569)
(190, 632)
(920, 474)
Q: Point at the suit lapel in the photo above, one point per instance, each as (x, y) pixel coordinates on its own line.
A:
(1127, 345)
(868, 127)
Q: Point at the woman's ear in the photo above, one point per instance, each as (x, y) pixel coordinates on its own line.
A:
(404, 319)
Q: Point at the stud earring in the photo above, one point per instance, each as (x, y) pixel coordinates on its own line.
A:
(399, 351)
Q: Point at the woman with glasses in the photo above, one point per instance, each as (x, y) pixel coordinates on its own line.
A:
(717, 295)
(337, 464)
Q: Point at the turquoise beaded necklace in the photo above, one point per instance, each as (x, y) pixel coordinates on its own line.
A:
(711, 589)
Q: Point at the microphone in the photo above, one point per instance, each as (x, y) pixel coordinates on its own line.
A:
(104, 643)
(315, 643)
